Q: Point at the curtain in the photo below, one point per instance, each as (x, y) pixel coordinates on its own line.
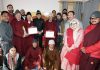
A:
(64, 5)
(78, 10)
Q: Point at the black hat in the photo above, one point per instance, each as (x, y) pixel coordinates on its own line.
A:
(38, 12)
(35, 41)
(28, 13)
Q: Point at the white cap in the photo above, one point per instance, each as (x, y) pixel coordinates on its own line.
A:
(51, 42)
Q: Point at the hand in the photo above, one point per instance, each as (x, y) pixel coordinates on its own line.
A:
(44, 68)
(39, 32)
(83, 50)
(55, 69)
(39, 67)
(59, 33)
(25, 35)
(26, 68)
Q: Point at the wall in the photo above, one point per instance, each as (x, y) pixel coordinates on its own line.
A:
(33, 5)
(1, 5)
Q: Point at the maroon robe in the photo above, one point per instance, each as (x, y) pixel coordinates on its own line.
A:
(18, 39)
(28, 40)
(50, 26)
(11, 17)
(33, 55)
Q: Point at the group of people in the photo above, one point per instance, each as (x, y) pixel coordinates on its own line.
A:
(71, 48)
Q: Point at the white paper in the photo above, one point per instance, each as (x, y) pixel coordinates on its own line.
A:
(32, 30)
(49, 34)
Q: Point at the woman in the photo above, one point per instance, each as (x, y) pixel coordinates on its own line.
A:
(28, 24)
(70, 52)
(90, 59)
(33, 57)
(12, 60)
(50, 26)
(59, 34)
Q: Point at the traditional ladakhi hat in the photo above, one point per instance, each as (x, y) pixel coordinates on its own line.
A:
(51, 42)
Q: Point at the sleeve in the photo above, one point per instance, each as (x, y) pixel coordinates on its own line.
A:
(57, 61)
(40, 56)
(43, 25)
(5, 36)
(27, 57)
(5, 65)
(44, 57)
(15, 32)
(19, 64)
(93, 48)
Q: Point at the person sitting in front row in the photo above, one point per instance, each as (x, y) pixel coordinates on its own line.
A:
(51, 59)
(33, 57)
(12, 60)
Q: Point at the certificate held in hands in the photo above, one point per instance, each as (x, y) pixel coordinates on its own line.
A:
(49, 34)
(32, 30)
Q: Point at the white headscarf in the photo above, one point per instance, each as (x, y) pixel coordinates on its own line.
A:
(79, 26)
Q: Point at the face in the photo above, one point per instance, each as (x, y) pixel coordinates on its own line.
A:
(50, 17)
(22, 12)
(73, 25)
(94, 20)
(29, 17)
(71, 16)
(51, 45)
(5, 17)
(64, 11)
(12, 51)
(10, 9)
(38, 16)
(54, 13)
(18, 16)
(64, 17)
(34, 45)
(58, 17)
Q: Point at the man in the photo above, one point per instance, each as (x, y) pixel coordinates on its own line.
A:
(90, 59)
(10, 12)
(33, 57)
(39, 23)
(1, 58)
(22, 11)
(54, 15)
(71, 16)
(64, 11)
(5, 32)
(51, 59)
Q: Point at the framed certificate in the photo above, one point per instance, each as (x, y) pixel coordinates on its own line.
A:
(32, 30)
(49, 34)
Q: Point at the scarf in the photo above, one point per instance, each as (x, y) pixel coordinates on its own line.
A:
(92, 37)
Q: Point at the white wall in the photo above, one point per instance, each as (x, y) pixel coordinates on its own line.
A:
(1, 5)
(33, 5)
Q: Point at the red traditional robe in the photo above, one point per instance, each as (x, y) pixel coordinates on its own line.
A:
(90, 60)
(18, 39)
(28, 40)
(93, 50)
(33, 57)
(50, 26)
(11, 17)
